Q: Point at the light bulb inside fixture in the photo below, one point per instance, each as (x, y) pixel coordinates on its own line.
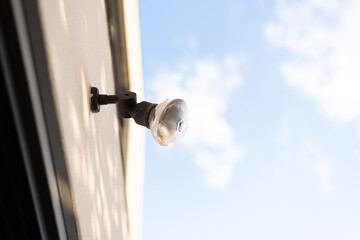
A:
(168, 121)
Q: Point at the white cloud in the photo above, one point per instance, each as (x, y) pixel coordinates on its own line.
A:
(323, 38)
(206, 85)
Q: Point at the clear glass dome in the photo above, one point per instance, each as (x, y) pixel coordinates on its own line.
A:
(168, 121)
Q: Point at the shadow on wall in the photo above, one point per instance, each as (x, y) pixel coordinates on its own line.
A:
(79, 57)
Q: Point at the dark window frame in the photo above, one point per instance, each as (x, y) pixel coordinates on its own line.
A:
(28, 133)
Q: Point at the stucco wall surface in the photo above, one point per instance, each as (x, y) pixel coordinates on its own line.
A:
(78, 51)
(135, 158)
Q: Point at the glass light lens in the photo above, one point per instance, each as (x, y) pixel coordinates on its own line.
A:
(168, 121)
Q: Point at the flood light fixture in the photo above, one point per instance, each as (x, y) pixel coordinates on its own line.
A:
(168, 120)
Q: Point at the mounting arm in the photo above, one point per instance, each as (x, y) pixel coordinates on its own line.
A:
(126, 103)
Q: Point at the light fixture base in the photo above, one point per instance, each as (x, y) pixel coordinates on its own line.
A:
(127, 105)
(94, 102)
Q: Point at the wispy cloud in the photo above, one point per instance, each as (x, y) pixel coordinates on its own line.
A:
(315, 160)
(206, 84)
(324, 171)
(188, 41)
(323, 38)
(299, 151)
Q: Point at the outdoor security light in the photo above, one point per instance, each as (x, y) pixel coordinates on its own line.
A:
(166, 120)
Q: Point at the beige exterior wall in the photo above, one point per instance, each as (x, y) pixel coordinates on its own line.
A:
(77, 44)
(136, 142)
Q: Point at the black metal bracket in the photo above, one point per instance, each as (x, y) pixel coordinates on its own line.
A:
(126, 103)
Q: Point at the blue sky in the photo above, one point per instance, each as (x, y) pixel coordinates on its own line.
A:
(272, 150)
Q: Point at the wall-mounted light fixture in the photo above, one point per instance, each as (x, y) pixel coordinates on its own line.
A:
(168, 120)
